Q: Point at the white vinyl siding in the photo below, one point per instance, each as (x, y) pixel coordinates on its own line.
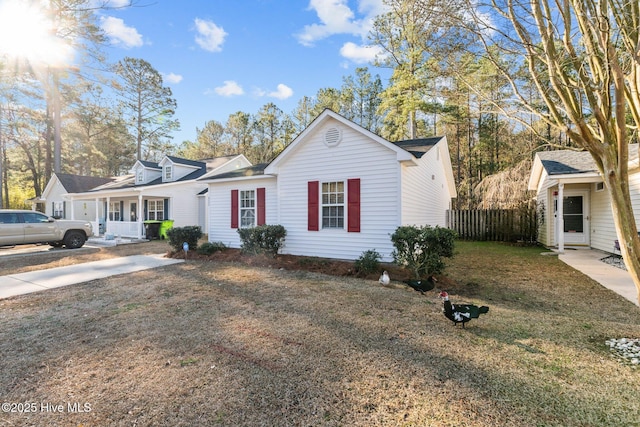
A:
(357, 156)
(220, 208)
(425, 194)
(603, 232)
(54, 193)
(544, 202)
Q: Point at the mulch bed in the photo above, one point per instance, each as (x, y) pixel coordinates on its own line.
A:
(332, 267)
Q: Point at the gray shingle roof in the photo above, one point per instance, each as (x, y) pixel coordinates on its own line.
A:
(418, 147)
(80, 183)
(188, 162)
(148, 164)
(563, 162)
(254, 170)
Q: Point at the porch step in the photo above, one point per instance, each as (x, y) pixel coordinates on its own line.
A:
(101, 241)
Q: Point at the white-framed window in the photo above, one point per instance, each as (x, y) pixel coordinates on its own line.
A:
(168, 173)
(140, 176)
(155, 209)
(58, 210)
(599, 186)
(333, 204)
(247, 208)
(114, 211)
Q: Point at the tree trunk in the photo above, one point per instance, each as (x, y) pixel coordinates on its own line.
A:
(628, 232)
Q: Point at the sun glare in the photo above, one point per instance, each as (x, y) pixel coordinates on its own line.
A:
(27, 33)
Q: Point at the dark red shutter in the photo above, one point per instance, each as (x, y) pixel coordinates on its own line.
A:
(234, 208)
(261, 207)
(353, 205)
(313, 200)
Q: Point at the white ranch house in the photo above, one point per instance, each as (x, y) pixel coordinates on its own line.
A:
(169, 189)
(584, 218)
(338, 190)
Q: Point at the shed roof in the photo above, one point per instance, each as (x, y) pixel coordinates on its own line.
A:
(562, 162)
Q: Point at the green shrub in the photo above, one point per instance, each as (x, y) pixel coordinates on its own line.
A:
(263, 239)
(421, 249)
(369, 262)
(210, 247)
(179, 235)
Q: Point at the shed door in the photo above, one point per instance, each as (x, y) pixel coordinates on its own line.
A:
(576, 218)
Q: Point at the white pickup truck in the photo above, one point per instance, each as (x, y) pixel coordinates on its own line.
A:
(24, 227)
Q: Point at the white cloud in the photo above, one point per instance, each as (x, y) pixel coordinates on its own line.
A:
(120, 34)
(230, 88)
(361, 54)
(101, 4)
(283, 92)
(172, 78)
(210, 37)
(336, 17)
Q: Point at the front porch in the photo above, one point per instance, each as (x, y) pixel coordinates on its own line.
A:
(123, 216)
(120, 229)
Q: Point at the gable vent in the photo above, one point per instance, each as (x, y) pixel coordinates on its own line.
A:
(332, 137)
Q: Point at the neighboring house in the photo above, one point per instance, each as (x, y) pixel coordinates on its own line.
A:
(56, 205)
(152, 191)
(585, 216)
(338, 190)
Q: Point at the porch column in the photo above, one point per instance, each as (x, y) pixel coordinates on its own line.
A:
(561, 218)
(97, 216)
(73, 211)
(139, 216)
(106, 215)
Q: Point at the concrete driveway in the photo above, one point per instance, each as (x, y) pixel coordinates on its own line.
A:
(34, 281)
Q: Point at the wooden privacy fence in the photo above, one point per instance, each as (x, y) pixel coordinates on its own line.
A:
(505, 225)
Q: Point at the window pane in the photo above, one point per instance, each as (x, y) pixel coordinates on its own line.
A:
(333, 204)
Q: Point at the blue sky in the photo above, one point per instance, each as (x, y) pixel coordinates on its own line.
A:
(223, 56)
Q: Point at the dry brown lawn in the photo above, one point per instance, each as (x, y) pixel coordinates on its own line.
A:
(213, 342)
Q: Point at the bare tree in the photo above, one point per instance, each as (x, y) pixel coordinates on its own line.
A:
(583, 57)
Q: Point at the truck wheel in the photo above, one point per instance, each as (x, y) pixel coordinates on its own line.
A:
(74, 240)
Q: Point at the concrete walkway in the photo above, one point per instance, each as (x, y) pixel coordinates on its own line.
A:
(34, 281)
(587, 261)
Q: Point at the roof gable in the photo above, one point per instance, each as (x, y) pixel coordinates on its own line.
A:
(325, 116)
(560, 163)
(564, 162)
